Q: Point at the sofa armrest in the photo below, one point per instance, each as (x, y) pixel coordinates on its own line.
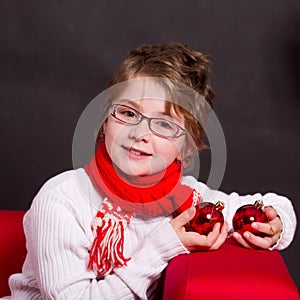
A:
(232, 272)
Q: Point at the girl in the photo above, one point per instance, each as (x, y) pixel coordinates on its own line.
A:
(108, 231)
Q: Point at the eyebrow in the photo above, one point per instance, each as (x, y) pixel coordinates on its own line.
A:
(128, 101)
(137, 106)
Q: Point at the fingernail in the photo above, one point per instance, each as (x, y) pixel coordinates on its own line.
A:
(254, 225)
(190, 210)
(246, 234)
(235, 234)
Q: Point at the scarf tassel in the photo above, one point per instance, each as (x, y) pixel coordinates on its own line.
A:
(107, 248)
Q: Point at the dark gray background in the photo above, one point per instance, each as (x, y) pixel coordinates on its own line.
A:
(56, 56)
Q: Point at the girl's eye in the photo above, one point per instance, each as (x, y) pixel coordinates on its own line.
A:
(128, 113)
(164, 124)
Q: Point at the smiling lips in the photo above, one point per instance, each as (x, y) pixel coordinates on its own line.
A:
(136, 153)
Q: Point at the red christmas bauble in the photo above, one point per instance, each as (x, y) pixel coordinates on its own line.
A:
(247, 214)
(207, 215)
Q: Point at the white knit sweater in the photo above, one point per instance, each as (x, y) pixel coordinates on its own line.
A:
(59, 236)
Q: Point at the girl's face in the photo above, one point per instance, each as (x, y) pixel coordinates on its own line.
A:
(135, 149)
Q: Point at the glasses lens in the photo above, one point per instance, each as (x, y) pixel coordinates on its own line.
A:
(126, 114)
(164, 127)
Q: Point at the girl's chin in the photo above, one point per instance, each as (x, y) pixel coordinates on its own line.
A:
(151, 167)
(136, 173)
(129, 170)
(139, 172)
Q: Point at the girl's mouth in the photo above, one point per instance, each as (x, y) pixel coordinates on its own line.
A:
(133, 152)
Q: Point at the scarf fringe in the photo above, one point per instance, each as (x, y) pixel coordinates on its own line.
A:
(107, 248)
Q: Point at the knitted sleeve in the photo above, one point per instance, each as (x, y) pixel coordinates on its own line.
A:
(233, 201)
(153, 255)
(58, 251)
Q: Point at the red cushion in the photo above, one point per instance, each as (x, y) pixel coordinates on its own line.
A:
(232, 272)
(12, 250)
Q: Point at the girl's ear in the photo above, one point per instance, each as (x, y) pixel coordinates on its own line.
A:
(186, 152)
(101, 133)
(181, 158)
(104, 127)
(186, 157)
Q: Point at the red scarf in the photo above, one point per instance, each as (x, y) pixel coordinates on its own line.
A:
(153, 195)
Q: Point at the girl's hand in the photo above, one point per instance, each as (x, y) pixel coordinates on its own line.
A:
(272, 231)
(193, 241)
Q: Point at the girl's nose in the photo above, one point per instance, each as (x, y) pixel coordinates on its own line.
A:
(140, 131)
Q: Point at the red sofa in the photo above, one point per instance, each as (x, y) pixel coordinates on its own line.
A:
(12, 250)
(231, 272)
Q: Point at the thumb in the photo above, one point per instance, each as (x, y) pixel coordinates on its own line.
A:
(270, 212)
(183, 218)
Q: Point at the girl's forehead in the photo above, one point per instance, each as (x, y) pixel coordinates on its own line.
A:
(145, 105)
(142, 88)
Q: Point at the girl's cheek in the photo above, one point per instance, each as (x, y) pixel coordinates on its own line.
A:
(112, 129)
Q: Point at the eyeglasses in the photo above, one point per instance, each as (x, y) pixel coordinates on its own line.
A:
(159, 126)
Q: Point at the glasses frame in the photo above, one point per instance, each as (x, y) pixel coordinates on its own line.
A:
(180, 131)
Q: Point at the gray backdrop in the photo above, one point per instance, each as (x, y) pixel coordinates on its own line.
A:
(56, 56)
